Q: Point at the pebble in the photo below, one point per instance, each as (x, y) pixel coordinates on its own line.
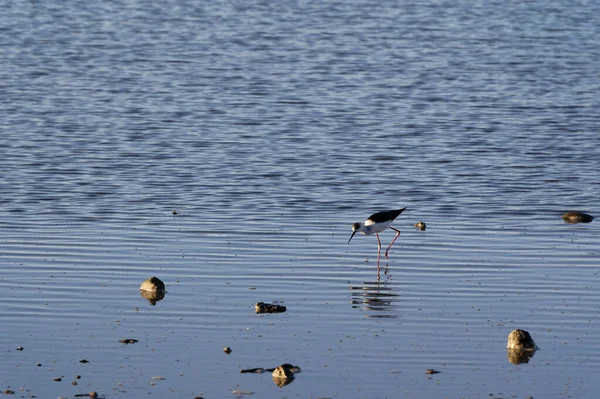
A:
(153, 284)
(262, 307)
(421, 225)
(128, 341)
(521, 340)
(577, 217)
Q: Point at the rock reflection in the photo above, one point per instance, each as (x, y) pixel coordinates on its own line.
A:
(281, 382)
(519, 356)
(152, 297)
(377, 297)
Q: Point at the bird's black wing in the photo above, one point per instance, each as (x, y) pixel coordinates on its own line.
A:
(385, 216)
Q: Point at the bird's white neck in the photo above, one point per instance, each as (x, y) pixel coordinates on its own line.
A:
(365, 229)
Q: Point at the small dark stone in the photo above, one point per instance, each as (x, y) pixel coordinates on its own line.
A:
(128, 341)
(431, 371)
(78, 377)
(19, 348)
(227, 350)
(84, 361)
(262, 307)
(57, 379)
(38, 364)
(420, 225)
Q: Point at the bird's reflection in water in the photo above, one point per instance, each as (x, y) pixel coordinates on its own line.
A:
(386, 271)
(377, 298)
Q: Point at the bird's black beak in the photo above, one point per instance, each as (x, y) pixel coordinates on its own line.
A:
(354, 232)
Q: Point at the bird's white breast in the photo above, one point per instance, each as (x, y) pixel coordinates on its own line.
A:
(373, 227)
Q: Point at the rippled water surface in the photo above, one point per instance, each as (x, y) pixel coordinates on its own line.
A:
(270, 127)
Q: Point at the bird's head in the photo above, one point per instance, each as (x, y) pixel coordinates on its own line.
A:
(355, 227)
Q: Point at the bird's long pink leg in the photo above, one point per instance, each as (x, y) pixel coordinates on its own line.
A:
(392, 243)
(378, 255)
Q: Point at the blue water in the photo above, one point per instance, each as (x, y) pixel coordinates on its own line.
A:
(271, 127)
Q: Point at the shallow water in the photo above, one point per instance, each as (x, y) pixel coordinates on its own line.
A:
(270, 130)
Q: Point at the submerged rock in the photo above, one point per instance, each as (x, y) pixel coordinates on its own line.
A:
(577, 217)
(92, 394)
(262, 307)
(240, 392)
(153, 284)
(521, 340)
(256, 370)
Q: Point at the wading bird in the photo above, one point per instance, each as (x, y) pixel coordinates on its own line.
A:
(375, 224)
